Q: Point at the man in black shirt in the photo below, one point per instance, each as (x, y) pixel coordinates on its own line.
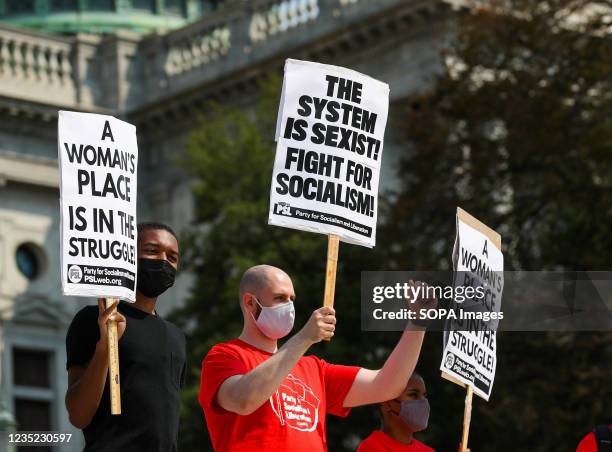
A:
(151, 359)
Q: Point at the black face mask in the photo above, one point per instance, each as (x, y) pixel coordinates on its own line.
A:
(155, 276)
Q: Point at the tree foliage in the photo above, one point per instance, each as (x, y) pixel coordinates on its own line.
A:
(517, 130)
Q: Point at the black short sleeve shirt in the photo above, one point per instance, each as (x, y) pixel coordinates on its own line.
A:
(152, 372)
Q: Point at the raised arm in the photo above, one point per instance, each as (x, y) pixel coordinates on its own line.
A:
(243, 394)
(375, 386)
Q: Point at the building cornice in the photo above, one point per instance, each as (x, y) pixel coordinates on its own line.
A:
(134, 76)
(29, 170)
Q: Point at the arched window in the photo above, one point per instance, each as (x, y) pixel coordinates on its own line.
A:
(30, 260)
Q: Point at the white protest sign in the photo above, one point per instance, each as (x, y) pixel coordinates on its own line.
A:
(470, 351)
(330, 133)
(98, 159)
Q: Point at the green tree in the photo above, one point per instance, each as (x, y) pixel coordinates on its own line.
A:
(517, 130)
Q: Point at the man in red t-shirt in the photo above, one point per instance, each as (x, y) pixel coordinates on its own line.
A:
(256, 396)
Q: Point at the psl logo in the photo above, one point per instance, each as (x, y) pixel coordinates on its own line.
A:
(283, 208)
(296, 405)
(75, 274)
(450, 361)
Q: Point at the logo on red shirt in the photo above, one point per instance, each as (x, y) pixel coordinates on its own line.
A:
(296, 405)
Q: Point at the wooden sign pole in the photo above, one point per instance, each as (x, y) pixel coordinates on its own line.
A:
(467, 417)
(333, 243)
(113, 363)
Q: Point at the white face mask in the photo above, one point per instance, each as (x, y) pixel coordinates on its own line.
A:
(277, 321)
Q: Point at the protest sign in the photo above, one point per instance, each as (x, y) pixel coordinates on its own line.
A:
(330, 134)
(469, 358)
(98, 158)
(470, 350)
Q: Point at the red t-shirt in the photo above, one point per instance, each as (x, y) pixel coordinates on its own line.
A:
(293, 418)
(381, 442)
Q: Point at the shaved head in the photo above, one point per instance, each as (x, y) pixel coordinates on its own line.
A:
(256, 278)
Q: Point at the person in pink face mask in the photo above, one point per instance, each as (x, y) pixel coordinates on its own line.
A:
(401, 418)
